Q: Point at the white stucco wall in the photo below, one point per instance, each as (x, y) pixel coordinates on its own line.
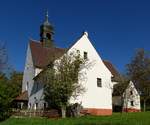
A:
(135, 97)
(37, 95)
(28, 74)
(35, 90)
(94, 97)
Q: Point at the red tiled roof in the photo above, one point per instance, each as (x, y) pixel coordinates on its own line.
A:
(111, 68)
(43, 55)
(23, 96)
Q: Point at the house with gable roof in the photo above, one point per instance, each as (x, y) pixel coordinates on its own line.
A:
(128, 100)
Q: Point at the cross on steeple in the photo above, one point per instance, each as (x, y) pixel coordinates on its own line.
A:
(46, 32)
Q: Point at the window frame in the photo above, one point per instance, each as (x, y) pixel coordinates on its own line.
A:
(131, 92)
(99, 82)
(132, 103)
(85, 55)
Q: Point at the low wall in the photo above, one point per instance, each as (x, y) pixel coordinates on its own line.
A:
(38, 113)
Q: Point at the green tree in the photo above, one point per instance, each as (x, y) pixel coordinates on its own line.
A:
(15, 82)
(10, 85)
(61, 81)
(9, 89)
(138, 70)
(4, 88)
(5, 97)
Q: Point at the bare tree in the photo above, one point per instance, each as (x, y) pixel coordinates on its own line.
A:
(3, 58)
(138, 70)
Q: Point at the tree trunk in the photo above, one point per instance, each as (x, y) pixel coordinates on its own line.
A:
(144, 105)
(122, 102)
(63, 112)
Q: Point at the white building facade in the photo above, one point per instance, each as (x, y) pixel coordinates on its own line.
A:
(131, 99)
(97, 99)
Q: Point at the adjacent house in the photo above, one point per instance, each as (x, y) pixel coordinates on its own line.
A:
(128, 100)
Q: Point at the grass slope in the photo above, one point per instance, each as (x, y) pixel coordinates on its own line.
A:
(116, 119)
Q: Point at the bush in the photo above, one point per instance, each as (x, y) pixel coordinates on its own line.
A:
(5, 97)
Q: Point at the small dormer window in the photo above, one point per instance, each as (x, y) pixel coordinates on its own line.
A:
(99, 82)
(85, 55)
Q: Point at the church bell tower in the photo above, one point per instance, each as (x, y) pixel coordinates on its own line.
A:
(46, 33)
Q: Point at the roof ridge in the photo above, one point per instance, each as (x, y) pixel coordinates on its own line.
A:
(38, 42)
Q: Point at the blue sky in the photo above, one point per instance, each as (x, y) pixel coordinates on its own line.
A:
(116, 27)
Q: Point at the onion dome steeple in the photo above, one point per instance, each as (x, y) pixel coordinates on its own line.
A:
(46, 33)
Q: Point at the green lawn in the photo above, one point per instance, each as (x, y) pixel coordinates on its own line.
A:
(115, 119)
